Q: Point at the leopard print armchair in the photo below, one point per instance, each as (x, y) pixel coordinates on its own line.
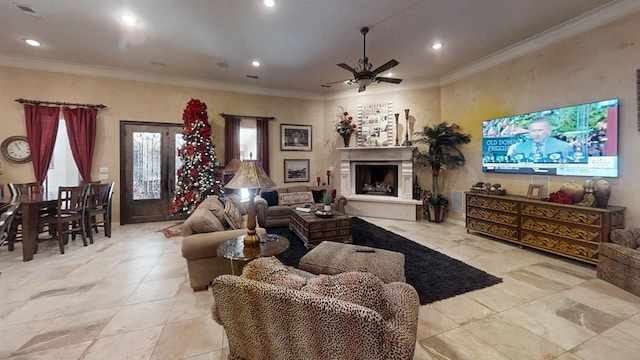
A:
(273, 311)
(619, 260)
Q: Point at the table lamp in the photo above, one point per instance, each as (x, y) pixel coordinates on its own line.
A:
(231, 169)
(250, 176)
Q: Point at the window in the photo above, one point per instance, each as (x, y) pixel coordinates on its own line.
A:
(62, 169)
(248, 146)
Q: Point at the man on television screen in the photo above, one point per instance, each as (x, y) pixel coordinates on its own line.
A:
(540, 147)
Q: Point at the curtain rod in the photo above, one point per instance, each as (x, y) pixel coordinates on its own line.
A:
(248, 116)
(38, 102)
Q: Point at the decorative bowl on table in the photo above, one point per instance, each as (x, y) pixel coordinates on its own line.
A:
(323, 214)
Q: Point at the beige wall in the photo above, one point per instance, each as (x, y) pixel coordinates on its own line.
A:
(596, 65)
(139, 101)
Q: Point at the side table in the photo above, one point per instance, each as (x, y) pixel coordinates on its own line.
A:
(270, 245)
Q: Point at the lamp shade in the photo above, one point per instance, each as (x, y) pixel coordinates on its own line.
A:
(232, 167)
(250, 175)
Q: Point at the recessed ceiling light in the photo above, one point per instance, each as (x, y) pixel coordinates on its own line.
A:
(128, 20)
(436, 46)
(32, 42)
(269, 3)
(255, 63)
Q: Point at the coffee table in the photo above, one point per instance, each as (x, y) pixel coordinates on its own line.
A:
(313, 230)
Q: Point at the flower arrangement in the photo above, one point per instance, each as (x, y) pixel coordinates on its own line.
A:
(345, 125)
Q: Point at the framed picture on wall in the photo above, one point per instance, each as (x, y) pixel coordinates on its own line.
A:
(296, 170)
(295, 137)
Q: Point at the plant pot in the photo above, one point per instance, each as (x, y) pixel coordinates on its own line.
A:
(435, 213)
(327, 208)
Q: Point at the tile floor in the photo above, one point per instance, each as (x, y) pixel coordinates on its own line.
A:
(128, 297)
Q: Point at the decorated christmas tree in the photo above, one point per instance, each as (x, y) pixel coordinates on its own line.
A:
(199, 173)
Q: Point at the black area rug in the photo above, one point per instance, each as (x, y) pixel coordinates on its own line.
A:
(435, 276)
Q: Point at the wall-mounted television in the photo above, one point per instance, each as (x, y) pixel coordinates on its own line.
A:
(577, 140)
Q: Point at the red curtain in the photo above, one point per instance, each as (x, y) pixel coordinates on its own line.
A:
(42, 128)
(231, 138)
(262, 126)
(81, 129)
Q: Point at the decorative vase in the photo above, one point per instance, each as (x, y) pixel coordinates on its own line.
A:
(576, 191)
(346, 138)
(601, 190)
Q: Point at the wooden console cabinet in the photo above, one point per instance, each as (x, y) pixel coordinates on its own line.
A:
(567, 230)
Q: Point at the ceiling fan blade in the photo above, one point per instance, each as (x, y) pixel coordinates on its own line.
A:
(347, 67)
(337, 82)
(386, 66)
(362, 88)
(328, 84)
(389, 80)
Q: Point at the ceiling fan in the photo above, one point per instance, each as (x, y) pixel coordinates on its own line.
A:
(363, 75)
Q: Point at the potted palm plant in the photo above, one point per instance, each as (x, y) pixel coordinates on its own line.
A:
(442, 152)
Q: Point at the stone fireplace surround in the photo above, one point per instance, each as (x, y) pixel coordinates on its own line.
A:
(401, 207)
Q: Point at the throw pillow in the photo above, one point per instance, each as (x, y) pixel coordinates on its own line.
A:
(213, 204)
(272, 271)
(626, 237)
(271, 197)
(361, 288)
(203, 221)
(237, 202)
(317, 195)
(232, 215)
(294, 198)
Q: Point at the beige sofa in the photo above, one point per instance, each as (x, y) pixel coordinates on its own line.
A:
(294, 315)
(203, 232)
(279, 214)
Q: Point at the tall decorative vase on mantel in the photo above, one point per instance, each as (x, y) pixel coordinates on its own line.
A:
(346, 138)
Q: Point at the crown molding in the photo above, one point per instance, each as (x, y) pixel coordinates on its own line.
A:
(579, 25)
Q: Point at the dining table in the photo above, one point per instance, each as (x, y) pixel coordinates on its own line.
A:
(30, 206)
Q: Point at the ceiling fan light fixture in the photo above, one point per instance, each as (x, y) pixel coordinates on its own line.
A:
(363, 75)
(364, 82)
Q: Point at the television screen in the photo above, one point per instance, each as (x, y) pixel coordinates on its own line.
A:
(578, 140)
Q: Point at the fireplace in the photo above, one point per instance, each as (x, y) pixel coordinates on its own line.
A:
(378, 182)
(379, 179)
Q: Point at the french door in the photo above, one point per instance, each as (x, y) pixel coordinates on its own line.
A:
(148, 163)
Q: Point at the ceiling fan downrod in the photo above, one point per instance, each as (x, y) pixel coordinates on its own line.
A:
(365, 61)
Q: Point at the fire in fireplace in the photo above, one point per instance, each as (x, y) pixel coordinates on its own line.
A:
(377, 180)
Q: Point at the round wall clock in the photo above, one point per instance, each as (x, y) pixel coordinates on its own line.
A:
(16, 149)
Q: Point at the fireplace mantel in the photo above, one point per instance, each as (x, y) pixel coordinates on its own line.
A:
(401, 207)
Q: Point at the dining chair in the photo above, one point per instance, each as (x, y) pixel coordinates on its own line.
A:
(98, 213)
(69, 218)
(17, 189)
(8, 212)
(15, 231)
